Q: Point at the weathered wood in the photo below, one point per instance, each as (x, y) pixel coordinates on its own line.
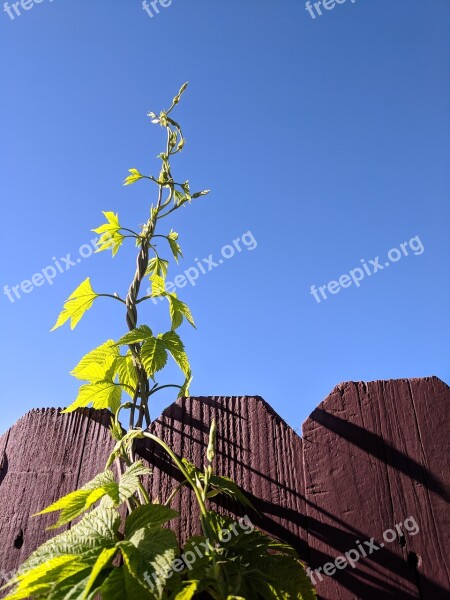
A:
(376, 454)
(44, 456)
(256, 448)
(372, 455)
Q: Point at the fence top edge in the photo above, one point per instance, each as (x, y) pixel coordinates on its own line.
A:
(337, 389)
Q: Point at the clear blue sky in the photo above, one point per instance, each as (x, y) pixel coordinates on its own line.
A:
(326, 138)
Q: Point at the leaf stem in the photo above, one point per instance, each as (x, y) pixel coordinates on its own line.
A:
(112, 296)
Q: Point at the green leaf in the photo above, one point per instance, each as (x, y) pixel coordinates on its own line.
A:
(157, 266)
(200, 567)
(174, 246)
(175, 346)
(231, 489)
(140, 334)
(76, 305)
(126, 371)
(180, 198)
(74, 504)
(284, 576)
(129, 482)
(97, 364)
(179, 310)
(70, 588)
(95, 531)
(42, 578)
(102, 394)
(184, 391)
(120, 585)
(133, 177)
(113, 588)
(148, 554)
(110, 234)
(158, 285)
(153, 356)
(135, 572)
(149, 515)
(188, 592)
(103, 560)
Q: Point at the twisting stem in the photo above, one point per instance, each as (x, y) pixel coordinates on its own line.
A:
(131, 302)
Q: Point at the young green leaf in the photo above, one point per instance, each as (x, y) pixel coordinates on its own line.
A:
(104, 559)
(178, 310)
(74, 504)
(126, 371)
(184, 390)
(129, 482)
(76, 305)
(149, 515)
(228, 487)
(189, 590)
(157, 266)
(150, 550)
(102, 394)
(135, 336)
(174, 345)
(97, 364)
(180, 198)
(110, 234)
(95, 531)
(174, 246)
(133, 177)
(153, 355)
(158, 285)
(39, 581)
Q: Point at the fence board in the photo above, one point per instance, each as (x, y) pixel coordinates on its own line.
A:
(256, 448)
(367, 470)
(371, 455)
(45, 455)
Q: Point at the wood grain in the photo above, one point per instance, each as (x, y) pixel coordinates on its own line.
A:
(372, 455)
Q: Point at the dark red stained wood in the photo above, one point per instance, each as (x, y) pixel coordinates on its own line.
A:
(44, 456)
(374, 455)
(256, 448)
(47, 455)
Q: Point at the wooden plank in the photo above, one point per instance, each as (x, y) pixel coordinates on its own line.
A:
(48, 455)
(45, 455)
(256, 448)
(372, 456)
(368, 468)
(418, 428)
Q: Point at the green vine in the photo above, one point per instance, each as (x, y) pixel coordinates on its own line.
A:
(105, 554)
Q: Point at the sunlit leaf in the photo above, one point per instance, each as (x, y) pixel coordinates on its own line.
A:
(110, 236)
(101, 394)
(133, 177)
(76, 305)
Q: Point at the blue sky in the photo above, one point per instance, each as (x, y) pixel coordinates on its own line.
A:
(325, 138)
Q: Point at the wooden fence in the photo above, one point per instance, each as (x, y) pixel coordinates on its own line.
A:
(372, 456)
